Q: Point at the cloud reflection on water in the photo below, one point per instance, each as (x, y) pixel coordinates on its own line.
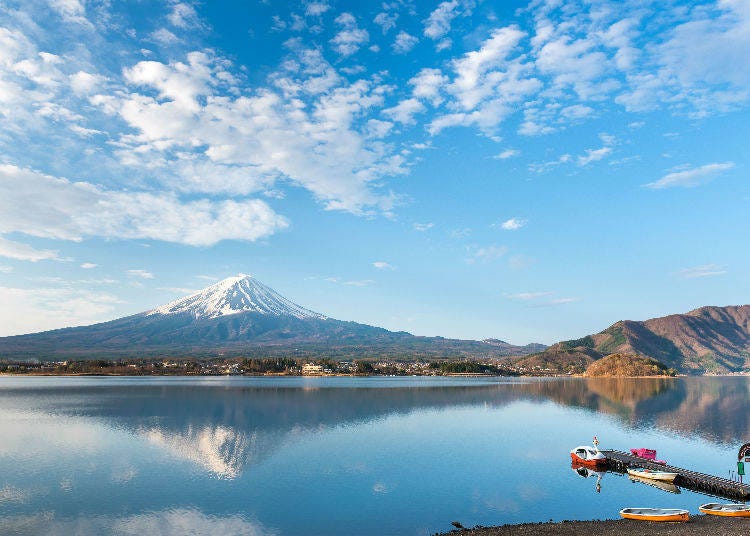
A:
(172, 522)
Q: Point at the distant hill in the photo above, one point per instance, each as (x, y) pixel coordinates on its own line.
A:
(705, 340)
(627, 365)
(242, 316)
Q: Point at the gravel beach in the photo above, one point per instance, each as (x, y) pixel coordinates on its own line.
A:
(699, 525)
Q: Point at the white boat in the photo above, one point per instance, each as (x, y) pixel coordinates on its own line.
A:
(727, 510)
(655, 514)
(662, 476)
(588, 456)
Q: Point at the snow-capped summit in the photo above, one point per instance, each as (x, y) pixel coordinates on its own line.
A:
(233, 295)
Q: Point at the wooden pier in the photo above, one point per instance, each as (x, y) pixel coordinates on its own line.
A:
(712, 485)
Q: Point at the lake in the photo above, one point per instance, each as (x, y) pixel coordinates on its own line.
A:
(342, 456)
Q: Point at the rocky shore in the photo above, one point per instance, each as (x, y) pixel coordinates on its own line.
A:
(699, 525)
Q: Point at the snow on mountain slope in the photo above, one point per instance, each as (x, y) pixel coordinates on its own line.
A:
(233, 295)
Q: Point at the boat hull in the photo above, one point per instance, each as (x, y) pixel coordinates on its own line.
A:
(655, 514)
(596, 462)
(661, 476)
(725, 510)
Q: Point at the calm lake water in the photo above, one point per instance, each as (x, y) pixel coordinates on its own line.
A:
(328, 456)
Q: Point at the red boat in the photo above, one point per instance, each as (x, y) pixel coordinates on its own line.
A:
(588, 456)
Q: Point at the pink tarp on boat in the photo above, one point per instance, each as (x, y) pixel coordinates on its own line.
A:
(647, 454)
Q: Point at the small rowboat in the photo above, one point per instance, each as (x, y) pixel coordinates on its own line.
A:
(588, 456)
(655, 514)
(728, 510)
(662, 476)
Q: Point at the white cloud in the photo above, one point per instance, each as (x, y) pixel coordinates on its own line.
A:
(316, 9)
(577, 111)
(593, 155)
(44, 206)
(575, 63)
(405, 111)
(482, 73)
(486, 253)
(507, 153)
(528, 296)
(85, 83)
(350, 37)
(386, 20)
(563, 301)
(404, 42)
(171, 522)
(359, 283)
(183, 15)
(201, 140)
(164, 37)
(513, 224)
(23, 252)
(705, 270)
(689, 178)
(5, 269)
(31, 310)
(427, 85)
(70, 11)
(382, 265)
(439, 22)
(88, 265)
(141, 274)
(546, 166)
(422, 227)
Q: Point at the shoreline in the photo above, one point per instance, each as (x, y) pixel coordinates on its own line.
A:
(698, 525)
(453, 375)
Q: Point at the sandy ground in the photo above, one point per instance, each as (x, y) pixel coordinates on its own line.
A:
(698, 525)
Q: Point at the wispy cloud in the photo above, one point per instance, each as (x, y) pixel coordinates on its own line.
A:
(507, 153)
(350, 37)
(460, 233)
(88, 265)
(142, 274)
(382, 265)
(439, 22)
(359, 283)
(592, 155)
(704, 270)
(689, 178)
(512, 224)
(347, 282)
(422, 227)
(24, 252)
(404, 43)
(61, 305)
(541, 299)
(527, 296)
(486, 253)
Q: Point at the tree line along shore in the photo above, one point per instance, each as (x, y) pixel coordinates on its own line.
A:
(616, 365)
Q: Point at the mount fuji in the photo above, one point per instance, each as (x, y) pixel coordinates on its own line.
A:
(240, 316)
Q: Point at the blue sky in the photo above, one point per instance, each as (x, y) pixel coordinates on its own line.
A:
(526, 171)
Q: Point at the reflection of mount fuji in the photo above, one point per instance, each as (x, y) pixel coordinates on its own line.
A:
(221, 450)
(226, 428)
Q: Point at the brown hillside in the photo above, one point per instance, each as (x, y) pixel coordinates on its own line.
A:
(708, 339)
(625, 365)
(559, 360)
